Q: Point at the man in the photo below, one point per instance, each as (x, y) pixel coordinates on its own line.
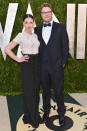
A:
(54, 53)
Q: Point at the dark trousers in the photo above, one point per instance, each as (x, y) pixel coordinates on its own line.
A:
(49, 74)
(30, 74)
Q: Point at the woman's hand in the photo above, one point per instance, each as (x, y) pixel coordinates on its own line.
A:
(23, 58)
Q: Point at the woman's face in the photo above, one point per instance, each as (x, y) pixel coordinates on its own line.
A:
(28, 24)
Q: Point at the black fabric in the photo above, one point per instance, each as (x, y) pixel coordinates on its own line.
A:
(30, 74)
(53, 56)
(48, 77)
(58, 44)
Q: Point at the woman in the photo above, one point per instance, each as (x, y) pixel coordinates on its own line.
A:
(30, 70)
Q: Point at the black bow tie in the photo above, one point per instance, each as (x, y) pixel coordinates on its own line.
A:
(49, 24)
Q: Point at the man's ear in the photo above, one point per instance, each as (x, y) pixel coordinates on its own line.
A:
(52, 14)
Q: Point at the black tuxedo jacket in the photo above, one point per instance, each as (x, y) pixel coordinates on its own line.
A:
(58, 44)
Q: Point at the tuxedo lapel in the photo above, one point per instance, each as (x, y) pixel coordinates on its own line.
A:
(41, 38)
(52, 33)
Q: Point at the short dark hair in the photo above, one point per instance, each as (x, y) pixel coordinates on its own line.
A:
(46, 5)
(28, 16)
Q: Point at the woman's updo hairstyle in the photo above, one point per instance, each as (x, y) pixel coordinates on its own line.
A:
(28, 16)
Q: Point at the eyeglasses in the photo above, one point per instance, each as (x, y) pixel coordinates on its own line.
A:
(48, 12)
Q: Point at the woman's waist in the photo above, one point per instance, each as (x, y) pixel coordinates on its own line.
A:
(36, 54)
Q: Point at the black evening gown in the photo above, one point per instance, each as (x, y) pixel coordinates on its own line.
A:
(30, 74)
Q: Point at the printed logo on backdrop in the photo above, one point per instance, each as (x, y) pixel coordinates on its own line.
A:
(75, 120)
(70, 24)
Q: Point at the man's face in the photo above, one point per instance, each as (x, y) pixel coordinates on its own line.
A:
(46, 14)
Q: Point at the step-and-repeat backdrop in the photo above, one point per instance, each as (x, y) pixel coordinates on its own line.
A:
(73, 15)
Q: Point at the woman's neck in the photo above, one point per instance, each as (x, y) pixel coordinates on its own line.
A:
(29, 32)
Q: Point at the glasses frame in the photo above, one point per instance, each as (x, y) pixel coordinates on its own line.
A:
(48, 12)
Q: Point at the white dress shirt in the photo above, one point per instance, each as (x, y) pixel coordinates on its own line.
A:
(46, 32)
